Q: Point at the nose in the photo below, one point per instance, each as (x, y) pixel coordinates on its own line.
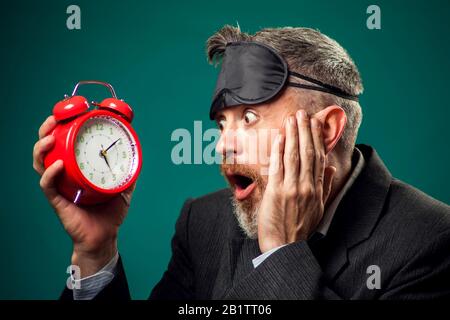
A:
(229, 145)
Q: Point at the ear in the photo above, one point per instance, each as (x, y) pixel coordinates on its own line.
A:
(333, 119)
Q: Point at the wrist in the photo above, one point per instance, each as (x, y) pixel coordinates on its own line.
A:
(269, 244)
(90, 262)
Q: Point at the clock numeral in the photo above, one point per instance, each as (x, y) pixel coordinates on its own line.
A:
(88, 129)
(77, 152)
(81, 165)
(99, 126)
(102, 180)
(81, 139)
(114, 177)
(91, 176)
(124, 154)
(122, 168)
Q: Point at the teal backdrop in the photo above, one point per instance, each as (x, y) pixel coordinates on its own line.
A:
(153, 54)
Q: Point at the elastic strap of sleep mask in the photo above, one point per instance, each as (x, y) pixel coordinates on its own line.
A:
(323, 86)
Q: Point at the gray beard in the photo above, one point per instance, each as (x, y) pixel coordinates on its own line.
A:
(248, 221)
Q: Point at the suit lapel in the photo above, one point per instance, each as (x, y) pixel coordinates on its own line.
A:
(235, 263)
(249, 249)
(226, 270)
(357, 214)
(236, 260)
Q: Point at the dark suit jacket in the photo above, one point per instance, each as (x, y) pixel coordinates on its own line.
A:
(380, 221)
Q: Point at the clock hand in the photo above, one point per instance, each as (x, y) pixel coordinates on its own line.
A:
(103, 155)
(111, 145)
(106, 160)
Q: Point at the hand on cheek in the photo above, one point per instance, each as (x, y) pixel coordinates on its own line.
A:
(298, 184)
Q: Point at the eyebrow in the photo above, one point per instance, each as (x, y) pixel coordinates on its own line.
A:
(219, 116)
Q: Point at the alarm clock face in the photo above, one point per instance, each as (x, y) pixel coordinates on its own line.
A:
(105, 152)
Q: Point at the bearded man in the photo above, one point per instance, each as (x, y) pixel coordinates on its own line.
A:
(322, 219)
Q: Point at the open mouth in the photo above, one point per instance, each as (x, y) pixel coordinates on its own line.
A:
(243, 185)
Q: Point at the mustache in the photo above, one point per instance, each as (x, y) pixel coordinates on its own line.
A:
(241, 169)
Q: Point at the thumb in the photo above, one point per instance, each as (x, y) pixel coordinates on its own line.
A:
(328, 182)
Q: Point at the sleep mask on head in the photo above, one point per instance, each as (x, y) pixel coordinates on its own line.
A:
(254, 73)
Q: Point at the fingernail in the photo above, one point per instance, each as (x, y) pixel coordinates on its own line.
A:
(291, 120)
(301, 113)
(277, 139)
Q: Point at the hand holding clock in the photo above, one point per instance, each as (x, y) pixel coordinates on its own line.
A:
(93, 229)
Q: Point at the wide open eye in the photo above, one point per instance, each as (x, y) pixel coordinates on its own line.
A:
(221, 124)
(249, 117)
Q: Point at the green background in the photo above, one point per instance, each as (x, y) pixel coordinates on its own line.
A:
(153, 54)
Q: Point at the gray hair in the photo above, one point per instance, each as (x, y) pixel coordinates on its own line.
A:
(313, 54)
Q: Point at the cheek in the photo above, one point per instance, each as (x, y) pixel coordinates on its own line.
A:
(256, 143)
(266, 138)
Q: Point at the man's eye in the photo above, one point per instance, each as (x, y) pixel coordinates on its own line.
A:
(221, 124)
(249, 117)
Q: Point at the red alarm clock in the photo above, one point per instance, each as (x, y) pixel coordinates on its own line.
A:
(101, 151)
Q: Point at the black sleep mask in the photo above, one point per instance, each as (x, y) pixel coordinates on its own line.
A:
(254, 73)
